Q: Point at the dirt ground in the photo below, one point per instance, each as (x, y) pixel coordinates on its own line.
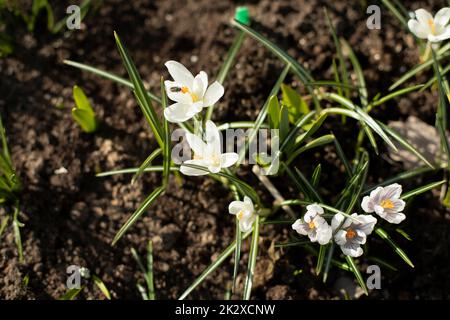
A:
(71, 218)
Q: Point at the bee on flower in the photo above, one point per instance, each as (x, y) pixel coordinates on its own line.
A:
(244, 212)
(386, 202)
(313, 225)
(191, 94)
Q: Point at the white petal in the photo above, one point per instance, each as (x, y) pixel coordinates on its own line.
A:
(443, 36)
(248, 201)
(315, 208)
(189, 171)
(375, 195)
(418, 30)
(228, 159)
(395, 218)
(196, 144)
(324, 234)
(302, 228)
(340, 237)
(312, 234)
(212, 137)
(367, 223)
(180, 73)
(361, 237)
(179, 112)
(424, 18)
(399, 205)
(214, 168)
(367, 204)
(337, 221)
(442, 16)
(176, 96)
(246, 225)
(296, 224)
(352, 251)
(235, 206)
(213, 94)
(198, 88)
(392, 191)
(379, 210)
(204, 78)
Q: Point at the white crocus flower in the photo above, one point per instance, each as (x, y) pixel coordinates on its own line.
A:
(244, 212)
(207, 154)
(433, 29)
(350, 234)
(386, 203)
(190, 93)
(313, 225)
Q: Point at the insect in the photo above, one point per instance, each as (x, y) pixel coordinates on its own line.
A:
(175, 89)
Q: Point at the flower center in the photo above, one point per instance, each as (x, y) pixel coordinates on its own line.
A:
(432, 26)
(311, 225)
(193, 95)
(387, 204)
(240, 215)
(350, 234)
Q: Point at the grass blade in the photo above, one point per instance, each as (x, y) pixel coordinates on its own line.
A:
(396, 12)
(101, 285)
(420, 67)
(149, 273)
(342, 66)
(342, 156)
(422, 189)
(213, 266)
(107, 75)
(226, 65)
(298, 69)
(145, 164)
(71, 294)
(17, 237)
(252, 260)
(363, 95)
(405, 144)
(237, 254)
(385, 236)
(262, 114)
(152, 197)
(315, 177)
(140, 92)
(351, 263)
(321, 258)
(394, 94)
(166, 150)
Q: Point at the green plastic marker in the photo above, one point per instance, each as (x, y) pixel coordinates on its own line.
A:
(242, 15)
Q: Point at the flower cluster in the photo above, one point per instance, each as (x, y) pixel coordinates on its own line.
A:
(350, 232)
(192, 94)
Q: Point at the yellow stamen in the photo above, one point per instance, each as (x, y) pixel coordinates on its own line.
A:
(240, 215)
(350, 234)
(311, 225)
(387, 204)
(193, 95)
(432, 26)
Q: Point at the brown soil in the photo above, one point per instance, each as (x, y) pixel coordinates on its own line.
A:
(72, 218)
